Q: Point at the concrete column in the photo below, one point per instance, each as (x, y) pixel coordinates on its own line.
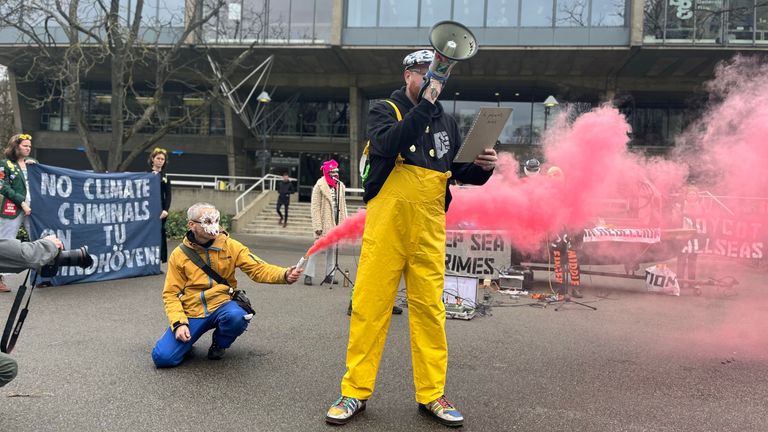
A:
(229, 137)
(356, 135)
(337, 21)
(609, 94)
(636, 22)
(14, 95)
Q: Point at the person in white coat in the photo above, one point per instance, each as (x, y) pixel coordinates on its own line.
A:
(329, 208)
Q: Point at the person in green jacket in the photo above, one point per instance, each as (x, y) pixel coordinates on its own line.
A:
(14, 190)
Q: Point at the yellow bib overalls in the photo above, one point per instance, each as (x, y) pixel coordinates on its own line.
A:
(404, 235)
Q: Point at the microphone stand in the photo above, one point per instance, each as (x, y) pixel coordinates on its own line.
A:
(336, 268)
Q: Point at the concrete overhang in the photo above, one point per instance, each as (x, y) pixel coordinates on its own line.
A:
(326, 72)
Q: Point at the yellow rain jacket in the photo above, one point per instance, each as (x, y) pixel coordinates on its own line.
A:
(190, 293)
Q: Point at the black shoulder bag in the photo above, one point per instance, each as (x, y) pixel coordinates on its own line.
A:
(238, 296)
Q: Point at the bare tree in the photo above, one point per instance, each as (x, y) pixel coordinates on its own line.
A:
(143, 51)
(573, 13)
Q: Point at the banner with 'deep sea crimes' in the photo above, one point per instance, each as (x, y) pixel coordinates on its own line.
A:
(116, 215)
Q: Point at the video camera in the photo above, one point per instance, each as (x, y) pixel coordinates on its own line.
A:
(75, 257)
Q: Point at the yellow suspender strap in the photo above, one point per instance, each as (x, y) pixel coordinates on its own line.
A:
(397, 115)
(397, 111)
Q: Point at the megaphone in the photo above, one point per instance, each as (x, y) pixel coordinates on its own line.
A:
(453, 42)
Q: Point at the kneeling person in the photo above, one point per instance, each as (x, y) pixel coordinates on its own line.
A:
(194, 302)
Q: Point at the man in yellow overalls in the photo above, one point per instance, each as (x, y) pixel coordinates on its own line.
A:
(406, 191)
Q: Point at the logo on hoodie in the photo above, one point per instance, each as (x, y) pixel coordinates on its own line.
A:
(442, 143)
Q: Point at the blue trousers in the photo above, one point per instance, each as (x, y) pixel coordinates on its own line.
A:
(227, 321)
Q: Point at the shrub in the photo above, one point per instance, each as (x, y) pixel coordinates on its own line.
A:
(22, 234)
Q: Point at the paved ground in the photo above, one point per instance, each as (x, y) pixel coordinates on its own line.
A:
(640, 362)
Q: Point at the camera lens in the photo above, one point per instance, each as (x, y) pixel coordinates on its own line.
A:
(76, 257)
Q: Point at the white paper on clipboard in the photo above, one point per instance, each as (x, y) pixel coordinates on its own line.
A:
(485, 130)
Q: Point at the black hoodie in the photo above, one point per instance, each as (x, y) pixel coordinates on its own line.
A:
(425, 127)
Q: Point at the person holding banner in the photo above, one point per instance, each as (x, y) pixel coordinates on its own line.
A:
(412, 147)
(158, 161)
(200, 286)
(14, 188)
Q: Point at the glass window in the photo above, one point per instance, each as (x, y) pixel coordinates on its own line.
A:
(279, 20)
(218, 126)
(288, 122)
(88, 14)
(762, 23)
(465, 111)
(677, 122)
(468, 12)
(254, 19)
(170, 12)
(323, 12)
(650, 126)
(610, 13)
(361, 13)
(572, 13)
(502, 13)
(126, 11)
(211, 29)
(51, 115)
(99, 118)
(709, 20)
(518, 127)
(302, 20)
(536, 13)
(680, 21)
(398, 13)
(653, 20)
(433, 11)
(539, 118)
(741, 19)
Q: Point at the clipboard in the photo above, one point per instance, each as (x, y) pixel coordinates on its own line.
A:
(485, 130)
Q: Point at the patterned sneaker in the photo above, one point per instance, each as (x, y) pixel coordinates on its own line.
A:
(444, 412)
(342, 411)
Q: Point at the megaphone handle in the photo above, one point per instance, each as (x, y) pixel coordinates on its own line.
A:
(429, 76)
(424, 85)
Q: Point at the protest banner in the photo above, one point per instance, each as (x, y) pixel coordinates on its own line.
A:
(116, 215)
(476, 253)
(731, 227)
(627, 235)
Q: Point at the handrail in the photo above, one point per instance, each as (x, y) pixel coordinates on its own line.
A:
(213, 176)
(240, 200)
(714, 198)
(215, 181)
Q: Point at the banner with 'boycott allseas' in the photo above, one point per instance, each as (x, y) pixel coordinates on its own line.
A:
(116, 215)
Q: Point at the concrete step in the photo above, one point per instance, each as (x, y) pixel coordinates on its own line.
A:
(280, 233)
(299, 221)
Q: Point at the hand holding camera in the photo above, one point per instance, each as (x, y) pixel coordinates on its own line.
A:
(55, 241)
